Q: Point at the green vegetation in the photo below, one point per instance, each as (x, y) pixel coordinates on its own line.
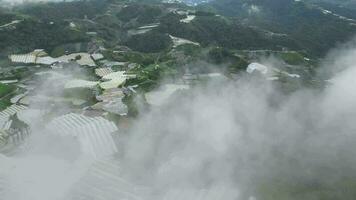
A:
(150, 42)
(58, 11)
(143, 13)
(293, 58)
(5, 91)
(68, 48)
(31, 34)
(219, 31)
(220, 55)
(148, 77)
(226, 44)
(190, 50)
(305, 25)
(6, 17)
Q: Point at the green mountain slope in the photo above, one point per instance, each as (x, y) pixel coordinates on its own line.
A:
(314, 30)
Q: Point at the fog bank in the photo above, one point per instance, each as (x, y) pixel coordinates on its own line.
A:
(224, 140)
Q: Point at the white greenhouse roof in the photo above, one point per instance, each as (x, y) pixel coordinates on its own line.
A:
(188, 19)
(23, 58)
(257, 67)
(180, 41)
(113, 83)
(103, 71)
(93, 133)
(97, 56)
(85, 59)
(8, 112)
(115, 79)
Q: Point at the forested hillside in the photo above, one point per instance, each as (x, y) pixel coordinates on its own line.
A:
(314, 30)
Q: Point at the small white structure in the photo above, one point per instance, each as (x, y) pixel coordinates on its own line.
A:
(188, 19)
(143, 29)
(293, 75)
(160, 96)
(149, 26)
(180, 41)
(286, 74)
(253, 67)
(77, 83)
(9, 81)
(72, 25)
(97, 56)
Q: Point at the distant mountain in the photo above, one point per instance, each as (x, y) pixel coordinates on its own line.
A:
(315, 29)
(342, 3)
(188, 2)
(345, 8)
(143, 26)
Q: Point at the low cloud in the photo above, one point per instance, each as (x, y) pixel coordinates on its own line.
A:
(226, 139)
(242, 134)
